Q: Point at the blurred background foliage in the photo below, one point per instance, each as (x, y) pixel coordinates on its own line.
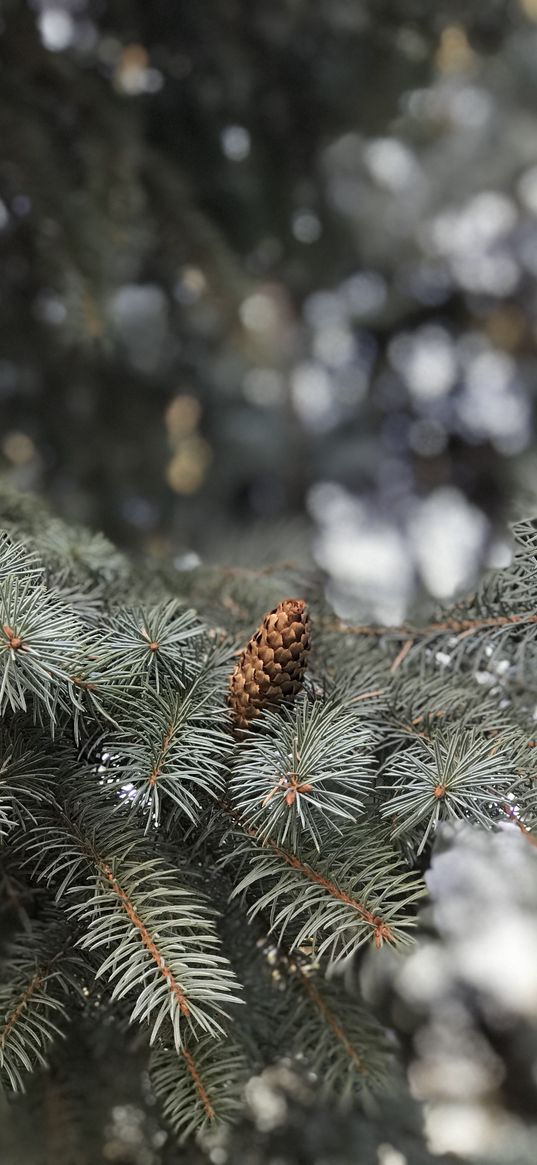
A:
(268, 280)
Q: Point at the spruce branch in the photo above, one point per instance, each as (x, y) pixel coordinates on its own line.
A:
(453, 625)
(462, 774)
(86, 598)
(39, 976)
(356, 890)
(161, 935)
(97, 694)
(122, 814)
(416, 706)
(500, 616)
(176, 755)
(121, 659)
(198, 1086)
(301, 768)
(313, 1018)
(180, 749)
(17, 559)
(113, 674)
(337, 1037)
(158, 643)
(26, 775)
(40, 639)
(74, 553)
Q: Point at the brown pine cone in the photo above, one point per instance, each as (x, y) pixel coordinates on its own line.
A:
(271, 668)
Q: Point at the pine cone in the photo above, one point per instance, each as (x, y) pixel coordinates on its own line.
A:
(271, 668)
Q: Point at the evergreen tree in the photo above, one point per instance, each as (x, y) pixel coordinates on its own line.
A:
(184, 897)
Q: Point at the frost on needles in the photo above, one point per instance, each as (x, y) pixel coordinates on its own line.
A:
(139, 836)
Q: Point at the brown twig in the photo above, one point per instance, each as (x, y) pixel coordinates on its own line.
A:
(200, 1087)
(157, 767)
(457, 626)
(148, 942)
(402, 654)
(368, 695)
(37, 980)
(332, 1020)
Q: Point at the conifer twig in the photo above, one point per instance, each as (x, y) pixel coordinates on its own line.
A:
(200, 1087)
(331, 1019)
(456, 626)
